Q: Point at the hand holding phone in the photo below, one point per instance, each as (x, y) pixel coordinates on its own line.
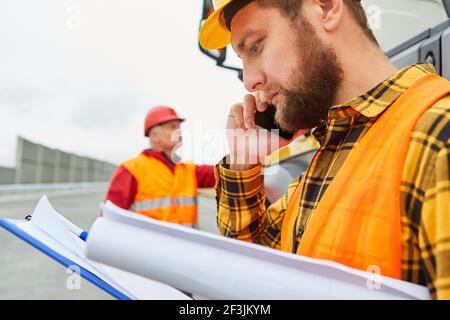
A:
(249, 144)
(266, 120)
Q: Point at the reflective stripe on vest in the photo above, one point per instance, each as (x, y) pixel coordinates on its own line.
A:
(163, 202)
(186, 201)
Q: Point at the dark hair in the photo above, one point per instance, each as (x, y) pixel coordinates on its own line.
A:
(231, 9)
(291, 8)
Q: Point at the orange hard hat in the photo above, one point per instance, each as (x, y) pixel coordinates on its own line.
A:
(159, 115)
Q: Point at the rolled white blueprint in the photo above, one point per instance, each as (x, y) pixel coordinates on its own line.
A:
(220, 268)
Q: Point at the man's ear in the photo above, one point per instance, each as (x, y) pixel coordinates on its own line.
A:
(153, 135)
(331, 13)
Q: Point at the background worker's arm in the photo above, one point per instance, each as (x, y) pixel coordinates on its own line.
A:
(122, 188)
(241, 208)
(205, 176)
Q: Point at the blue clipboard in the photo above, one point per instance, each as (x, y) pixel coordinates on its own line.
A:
(86, 274)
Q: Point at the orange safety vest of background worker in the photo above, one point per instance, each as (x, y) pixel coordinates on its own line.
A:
(155, 186)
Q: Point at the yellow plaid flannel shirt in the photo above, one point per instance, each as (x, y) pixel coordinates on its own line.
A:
(425, 188)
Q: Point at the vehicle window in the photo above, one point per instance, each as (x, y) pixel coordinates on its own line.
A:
(394, 22)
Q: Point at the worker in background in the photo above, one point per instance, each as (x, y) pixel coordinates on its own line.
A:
(154, 185)
(376, 196)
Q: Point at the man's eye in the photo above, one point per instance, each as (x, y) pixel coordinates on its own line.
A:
(255, 46)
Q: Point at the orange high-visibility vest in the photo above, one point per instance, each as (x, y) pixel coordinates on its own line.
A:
(358, 220)
(162, 194)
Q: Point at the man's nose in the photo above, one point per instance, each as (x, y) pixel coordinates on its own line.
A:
(254, 79)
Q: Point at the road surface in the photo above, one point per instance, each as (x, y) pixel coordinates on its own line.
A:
(26, 273)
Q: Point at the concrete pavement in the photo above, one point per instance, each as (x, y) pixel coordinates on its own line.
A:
(26, 273)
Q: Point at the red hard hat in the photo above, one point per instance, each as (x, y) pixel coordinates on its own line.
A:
(159, 115)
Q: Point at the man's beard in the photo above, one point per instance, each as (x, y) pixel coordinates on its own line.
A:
(314, 83)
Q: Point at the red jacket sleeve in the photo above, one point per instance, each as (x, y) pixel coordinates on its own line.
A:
(205, 176)
(122, 188)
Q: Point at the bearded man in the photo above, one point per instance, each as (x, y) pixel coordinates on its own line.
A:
(376, 195)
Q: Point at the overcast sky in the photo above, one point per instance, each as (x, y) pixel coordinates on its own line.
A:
(80, 75)
(83, 83)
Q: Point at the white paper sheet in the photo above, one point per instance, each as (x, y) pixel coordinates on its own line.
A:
(47, 227)
(222, 268)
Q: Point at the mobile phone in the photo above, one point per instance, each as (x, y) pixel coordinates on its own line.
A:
(266, 120)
